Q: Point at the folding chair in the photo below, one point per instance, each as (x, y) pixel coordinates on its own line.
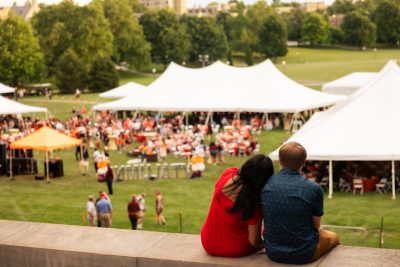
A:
(358, 185)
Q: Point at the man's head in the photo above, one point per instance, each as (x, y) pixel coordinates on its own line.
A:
(292, 155)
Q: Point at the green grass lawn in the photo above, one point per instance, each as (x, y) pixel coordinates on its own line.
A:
(63, 200)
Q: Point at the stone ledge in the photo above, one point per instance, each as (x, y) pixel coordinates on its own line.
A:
(39, 244)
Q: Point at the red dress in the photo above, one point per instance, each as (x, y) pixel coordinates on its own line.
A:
(223, 233)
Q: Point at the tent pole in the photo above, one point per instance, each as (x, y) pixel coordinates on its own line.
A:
(47, 166)
(330, 180)
(208, 118)
(292, 122)
(393, 180)
(158, 117)
(187, 118)
(11, 172)
(212, 118)
(262, 120)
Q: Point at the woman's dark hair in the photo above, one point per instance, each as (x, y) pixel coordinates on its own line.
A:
(251, 178)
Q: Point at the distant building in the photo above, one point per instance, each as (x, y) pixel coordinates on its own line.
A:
(26, 11)
(179, 6)
(313, 6)
(283, 9)
(210, 10)
(336, 20)
(4, 11)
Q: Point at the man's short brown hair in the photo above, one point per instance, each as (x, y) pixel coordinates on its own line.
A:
(292, 155)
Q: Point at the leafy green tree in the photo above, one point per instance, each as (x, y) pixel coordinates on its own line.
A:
(358, 30)
(335, 36)
(93, 35)
(103, 75)
(273, 38)
(225, 19)
(130, 44)
(314, 29)
(207, 37)
(294, 21)
(245, 47)
(68, 26)
(234, 30)
(341, 7)
(365, 7)
(175, 43)
(256, 15)
(387, 20)
(155, 25)
(20, 57)
(136, 6)
(71, 72)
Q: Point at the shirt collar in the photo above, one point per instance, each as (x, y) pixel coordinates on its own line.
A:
(289, 171)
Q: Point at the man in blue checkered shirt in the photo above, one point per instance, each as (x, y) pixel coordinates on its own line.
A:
(292, 209)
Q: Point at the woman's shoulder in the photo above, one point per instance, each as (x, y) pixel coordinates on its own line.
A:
(226, 175)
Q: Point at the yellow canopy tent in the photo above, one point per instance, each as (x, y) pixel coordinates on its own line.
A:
(45, 139)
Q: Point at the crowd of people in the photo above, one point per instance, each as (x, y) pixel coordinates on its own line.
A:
(99, 212)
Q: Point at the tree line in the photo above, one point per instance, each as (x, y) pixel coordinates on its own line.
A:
(80, 46)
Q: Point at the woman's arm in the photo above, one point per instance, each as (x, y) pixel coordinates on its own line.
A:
(255, 236)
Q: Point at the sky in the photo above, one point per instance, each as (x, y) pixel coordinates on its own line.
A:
(189, 3)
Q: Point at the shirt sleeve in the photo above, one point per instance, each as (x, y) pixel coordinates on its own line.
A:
(318, 203)
(257, 217)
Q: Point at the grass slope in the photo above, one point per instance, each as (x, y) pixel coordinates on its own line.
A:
(63, 200)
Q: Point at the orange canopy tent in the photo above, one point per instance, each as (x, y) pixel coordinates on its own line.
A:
(44, 139)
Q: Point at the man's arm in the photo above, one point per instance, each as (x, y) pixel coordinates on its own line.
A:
(316, 222)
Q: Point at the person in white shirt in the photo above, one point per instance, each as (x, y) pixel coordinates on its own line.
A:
(142, 205)
(97, 156)
(91, 211)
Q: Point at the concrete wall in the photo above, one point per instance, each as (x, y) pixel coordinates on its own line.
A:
(38, 244)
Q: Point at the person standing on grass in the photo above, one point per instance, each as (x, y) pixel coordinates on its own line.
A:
(109, 179)
(78, 94)
(292, 208)
(104, 211)
(134, 212)
(142, 205)
(96, 158)
(91, 211)
(159, 208)
(233, 224)
(84, 163)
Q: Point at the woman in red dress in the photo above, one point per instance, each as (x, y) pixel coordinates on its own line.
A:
(233, 225)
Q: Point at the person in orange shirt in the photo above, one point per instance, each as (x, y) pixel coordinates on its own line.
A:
(120, 142)
(197, 162)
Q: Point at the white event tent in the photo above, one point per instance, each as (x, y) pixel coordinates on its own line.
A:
(220, 87)
(364, 127)
(4, 89)
(8, 106)
(128, 89)
(348, 84)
